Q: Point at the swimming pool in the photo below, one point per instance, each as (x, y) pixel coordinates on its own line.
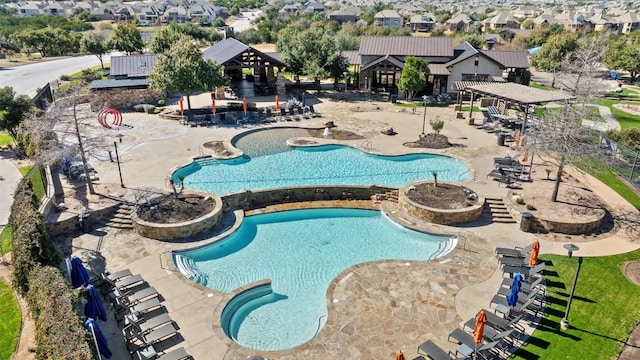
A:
(301, 251)
(270, 163)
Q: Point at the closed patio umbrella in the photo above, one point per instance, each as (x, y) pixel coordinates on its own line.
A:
(304, 99)
(213, 106)
(244, 105)
(535, 250)
(79, 274)
(98, 337)
(181, 102)
(512, 298)
(399, 355)
(277, 103)
(94, 308)
(478, 332)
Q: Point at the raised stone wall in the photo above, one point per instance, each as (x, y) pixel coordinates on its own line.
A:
(179, 230)
(68, 223)
(438, 216)
(123, 98)
(540, 224)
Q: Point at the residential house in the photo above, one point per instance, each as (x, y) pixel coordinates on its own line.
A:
(601, 23)
(629, 21)
(132, 66)
(56, 8)
(500, 21)
(491, 40)
(202, 11)
(290, 8)
(314, 6)
(29, 9)
(544, 20)
(346, 14)
(507, 35)
(146, 14)
(527, 11)
(124, 13)
(480, 12)
(423, 22)
(572, 20)
(460, 22)
(176, 14)
(388, 18)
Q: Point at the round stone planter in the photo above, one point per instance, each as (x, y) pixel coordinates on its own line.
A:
(180, 230)
(435, 215)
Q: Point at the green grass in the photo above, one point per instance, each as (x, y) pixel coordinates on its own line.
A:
(476, 109)
(609, 178)
(36, 180)
(602, 313)
(5, 139)
(10, 321)
(541, 87)
(6, 240)
(625, 119)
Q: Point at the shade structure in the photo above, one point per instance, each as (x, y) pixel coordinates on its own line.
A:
(277, 103)
(512, 298)
(79, 274)
(399, 355)
(181, 102)
(304, 99)
(213, 105)
(533, 257)
(94, 308)
(101, 341)
(478, 332)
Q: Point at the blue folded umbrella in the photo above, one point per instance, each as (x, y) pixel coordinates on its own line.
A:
(79, 275)
(101, 341)
(304, 99)
(512, 298)
(94, 308)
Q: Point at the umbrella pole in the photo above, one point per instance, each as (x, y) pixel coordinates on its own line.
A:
(95, 341)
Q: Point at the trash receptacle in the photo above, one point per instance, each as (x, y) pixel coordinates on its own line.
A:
(393, 98)
(501, 138)
(85, 222)
(525, 221)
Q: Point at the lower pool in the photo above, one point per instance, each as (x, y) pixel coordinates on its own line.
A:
(301, 251)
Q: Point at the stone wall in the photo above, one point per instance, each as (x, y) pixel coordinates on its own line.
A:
(438, 216)
(123, 98)
(542, 225)
(69, 223)
(179, 230)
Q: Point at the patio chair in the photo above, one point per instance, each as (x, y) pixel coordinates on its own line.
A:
(135, 297)
(134, 329)
(506, 161)
(484, 351)
(497, 322)
(527, 272)
(513, 261)
(525, 286)
(520, 308)
(523, 297)
(128, 282)
(153, 337)
(515, 252)
(144, 307)
(149, 353)
(118, 275)
(433, 351)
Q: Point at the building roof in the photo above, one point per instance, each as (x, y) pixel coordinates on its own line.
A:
(229, 48)
(387, 14)
(353, 57)
(520, 93)
(510, 59)
(399, 64)
(132, 65)
(406, 46)
(114, 83)
(438, 69)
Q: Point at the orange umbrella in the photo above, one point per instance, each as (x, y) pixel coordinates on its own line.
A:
(277, 103)
(213, 105)
(525, 155)
(481, 319)
(535, 249)
(181, 102)
(516, 141)
(399, 355)
(244, 105)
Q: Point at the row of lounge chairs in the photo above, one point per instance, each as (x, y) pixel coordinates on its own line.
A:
(148, 330)
(508, 170)
(256, 117)
(503, 332)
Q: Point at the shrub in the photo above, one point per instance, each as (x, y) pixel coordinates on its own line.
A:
(530, 207)
(65, 77)
(444, 98)
(161, 102)
(59, 331)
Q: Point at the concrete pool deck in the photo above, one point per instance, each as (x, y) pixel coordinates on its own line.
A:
(381, 307)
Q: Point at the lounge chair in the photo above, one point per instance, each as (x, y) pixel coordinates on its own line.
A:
(433, 351)
(513, 261)
(527, 272)
(516, 252)
(136, 297)
(520, 308)
(483, 351)
(118, 275)
(156, 335)
(145, 306)
(525, 286)
(128, 282)
(506, 161)
(497, 322)
(135, 329)
(149, 353)
(523, 297)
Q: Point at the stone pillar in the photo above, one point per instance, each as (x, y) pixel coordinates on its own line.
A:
(281, 90)
(219, 92)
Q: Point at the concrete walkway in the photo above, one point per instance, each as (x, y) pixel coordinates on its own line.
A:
(9, 178)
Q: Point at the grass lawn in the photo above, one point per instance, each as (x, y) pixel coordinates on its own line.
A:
(36, 180)
(10, 321)
(602, 313)
(5, 139)
(476, 109)
(5, 240)
(541, 87)
(625, 119)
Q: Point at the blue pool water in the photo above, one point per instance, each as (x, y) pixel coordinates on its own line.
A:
(269, 163)
(301, 251)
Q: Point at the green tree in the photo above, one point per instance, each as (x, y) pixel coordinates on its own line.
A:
(13, 109)
(182, 69)
(554, 51)
(347, 42)
(444, 16)
(126, 38)
(38, 39)
(307, 51)
(474, 39)
(95, 45)
(527, 24)
(623, 54)
(413, 77)
(338, 65)
(164, 39)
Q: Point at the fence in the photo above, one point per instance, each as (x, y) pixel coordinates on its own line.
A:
(623, 160)
(44, 97)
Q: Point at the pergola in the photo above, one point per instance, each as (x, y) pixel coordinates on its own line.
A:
(516, 93)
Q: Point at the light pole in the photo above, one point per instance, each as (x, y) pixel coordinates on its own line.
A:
(564, 323)
(115, 144)
(424, 116)
(345, 80)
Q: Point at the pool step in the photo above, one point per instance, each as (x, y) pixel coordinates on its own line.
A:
(498, 210)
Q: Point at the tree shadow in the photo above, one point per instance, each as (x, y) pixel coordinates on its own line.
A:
(555, 285)
(547, 325)
(556, 301)
(624, 342)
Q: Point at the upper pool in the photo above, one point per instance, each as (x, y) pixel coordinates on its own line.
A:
(270, 163)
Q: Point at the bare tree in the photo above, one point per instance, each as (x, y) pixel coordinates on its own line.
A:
(67, 129)
(564, 135)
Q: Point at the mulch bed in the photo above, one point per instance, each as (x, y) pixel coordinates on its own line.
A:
(444, 196)
(169, 210)
(430, 141)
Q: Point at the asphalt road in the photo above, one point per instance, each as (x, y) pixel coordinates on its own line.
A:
(26, 79)
(243, 23)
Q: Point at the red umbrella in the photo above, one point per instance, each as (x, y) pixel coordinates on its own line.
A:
(399, 355)
(244, 105)
(213, 105)
(535, 250)
(481, 319)
(181, 106)
(277, 103)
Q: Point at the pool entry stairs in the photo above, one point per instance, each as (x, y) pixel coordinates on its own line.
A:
(495, 207)
(121, 218)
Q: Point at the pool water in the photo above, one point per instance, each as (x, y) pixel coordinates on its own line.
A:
(270, 163)
(301, 251)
